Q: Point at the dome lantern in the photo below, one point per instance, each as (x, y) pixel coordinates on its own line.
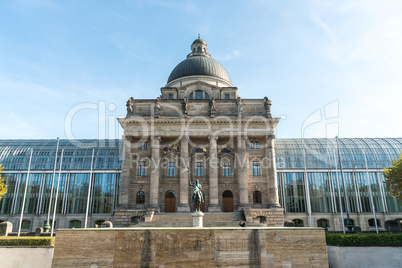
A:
(199, 65)
(199, 48)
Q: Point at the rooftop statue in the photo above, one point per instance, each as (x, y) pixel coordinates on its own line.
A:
(212, 106)
(130, 107)
(267, 107)
(185, 105)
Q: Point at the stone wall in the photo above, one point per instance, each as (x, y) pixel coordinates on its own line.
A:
(40, 257)
(195, 247)
(368, 257)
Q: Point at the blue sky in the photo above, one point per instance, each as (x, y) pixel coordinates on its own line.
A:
(329, 67)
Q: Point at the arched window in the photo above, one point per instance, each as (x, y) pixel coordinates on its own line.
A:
(298, 222)
(324, 223)
(140, 197)
(198, 95)
(25, 224)
(371, 222)
(262, 219)
(75, 224)
(257, 197)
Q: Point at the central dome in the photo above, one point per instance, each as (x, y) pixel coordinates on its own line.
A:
(199, 63)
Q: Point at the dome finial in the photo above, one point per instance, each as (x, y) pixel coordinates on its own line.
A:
(198, 36)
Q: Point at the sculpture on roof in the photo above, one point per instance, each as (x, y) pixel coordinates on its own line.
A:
(212, 107)
(267, 107)
(239, 105)
(130, 107)
(185, 105)
(157, 107)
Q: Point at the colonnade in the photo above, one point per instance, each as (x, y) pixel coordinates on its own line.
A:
(242, 175)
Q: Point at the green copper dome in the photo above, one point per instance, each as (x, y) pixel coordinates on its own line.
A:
(200, 63)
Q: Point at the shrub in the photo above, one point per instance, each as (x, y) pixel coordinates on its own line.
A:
(7, 241)
(365, 239)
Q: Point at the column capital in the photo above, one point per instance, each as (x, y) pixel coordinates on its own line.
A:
(159, 138)
(184, 139)
(270, 137)
(213, 137)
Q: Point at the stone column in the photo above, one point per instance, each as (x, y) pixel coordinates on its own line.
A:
(242, 162)
(155, 161)
(124, 195)
(273, 200)
(213, 175)
(184, 162)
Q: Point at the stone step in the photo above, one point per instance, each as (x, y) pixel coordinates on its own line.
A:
(208, 217)
(211, 219)
(190, 224)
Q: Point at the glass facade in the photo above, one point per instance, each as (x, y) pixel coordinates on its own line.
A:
(71, 182)
(309, 175)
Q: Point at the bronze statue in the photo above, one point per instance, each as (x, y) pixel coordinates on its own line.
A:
(198, 196)
(130, 107)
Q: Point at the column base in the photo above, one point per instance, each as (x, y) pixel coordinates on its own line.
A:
(214, 208)
(183, 208)
(155, 208)
(243, 206)
(277, 205)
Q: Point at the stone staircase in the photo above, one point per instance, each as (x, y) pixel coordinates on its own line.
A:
(211, 219)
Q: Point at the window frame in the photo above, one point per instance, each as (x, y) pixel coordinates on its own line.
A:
(255, 168)
(142, 169)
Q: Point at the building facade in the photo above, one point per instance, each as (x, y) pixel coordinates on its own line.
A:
(199, 128)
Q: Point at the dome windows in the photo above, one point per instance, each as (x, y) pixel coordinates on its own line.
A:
(198, 95)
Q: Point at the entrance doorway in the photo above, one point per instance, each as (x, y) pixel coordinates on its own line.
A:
(170, 201)
(227, 201)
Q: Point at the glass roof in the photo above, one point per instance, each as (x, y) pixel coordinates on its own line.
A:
(319, 153)
(15, 154)
(323, 153)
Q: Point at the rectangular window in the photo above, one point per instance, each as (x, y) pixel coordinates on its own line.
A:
(171, 169)
(143, 145)
(227, 96)
(226, 170)
(142, 168)
(170, 96)
(255, 168)
(254, 145)
(199, 169)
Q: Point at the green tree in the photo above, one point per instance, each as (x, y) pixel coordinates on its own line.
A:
(3, 187)
(393, 178)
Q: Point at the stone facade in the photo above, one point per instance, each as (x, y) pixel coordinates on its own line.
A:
(195, 247)
(198, 130)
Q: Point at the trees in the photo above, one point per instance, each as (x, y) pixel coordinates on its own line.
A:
(3, 187)
(393, 178)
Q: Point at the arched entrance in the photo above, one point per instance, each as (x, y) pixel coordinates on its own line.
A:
(227, 201)
(170, 201)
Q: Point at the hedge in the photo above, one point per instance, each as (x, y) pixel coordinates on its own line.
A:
(6, 241)
(365, 239)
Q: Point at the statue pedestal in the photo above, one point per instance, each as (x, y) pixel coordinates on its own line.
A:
(197, 219)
